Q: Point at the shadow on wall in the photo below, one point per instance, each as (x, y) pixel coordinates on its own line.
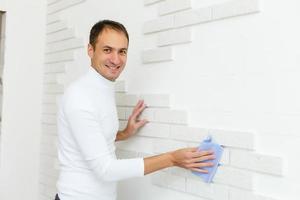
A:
(2, 37)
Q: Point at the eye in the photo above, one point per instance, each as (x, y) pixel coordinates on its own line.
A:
(123, 52)
(106, 50)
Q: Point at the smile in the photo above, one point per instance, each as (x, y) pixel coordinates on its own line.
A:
(113, 67)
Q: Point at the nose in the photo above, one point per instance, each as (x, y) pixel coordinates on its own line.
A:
(115, 58)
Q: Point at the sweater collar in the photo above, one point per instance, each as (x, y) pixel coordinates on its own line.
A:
(103, 81)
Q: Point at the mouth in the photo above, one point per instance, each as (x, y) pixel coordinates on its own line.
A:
(113, 68)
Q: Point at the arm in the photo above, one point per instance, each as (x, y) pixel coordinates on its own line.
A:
(188, 158)
(94, 149)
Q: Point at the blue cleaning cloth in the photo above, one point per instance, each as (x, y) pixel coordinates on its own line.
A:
(208, 144)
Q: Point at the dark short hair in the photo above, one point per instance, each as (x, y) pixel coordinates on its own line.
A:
(98, 28)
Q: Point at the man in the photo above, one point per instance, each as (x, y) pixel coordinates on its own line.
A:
(88, 126)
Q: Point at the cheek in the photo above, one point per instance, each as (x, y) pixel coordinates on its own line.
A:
(124, 60)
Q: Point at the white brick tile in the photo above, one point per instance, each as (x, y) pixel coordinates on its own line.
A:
(180, 132)
(120, 86)
(50, 78)
(54, 78)
(49, 172)
(49, 108)
(233, 138)
(257, 162)
(61, 78)
(170, 116)
(53, 89)
(49, 99)
(58, 26)
(52, 1)
(193, 17)
(48, 119)
(62, 5)
(235, 8)
(147, 114)
(60, 35)
(234, 177)
(176, 182)
(159, 178)
(237, 194)
(156, 100)
(178, 171)
(121, 112)
(123, 154)
(129, 111)
(122, 124)
(64, 45)
(155, 130)
(59, 57)
(176, 36)
(131, 100)
(55, 68)
(42, 197)
(193, 144)
(163, 145)
(46, 161)
(169, 181)
(49, 139)
(49, 128)
(139, 144)
(58, 98)
(157, 55)
(148, 2)
(52, 18)
(48, 181)
(225, 156)
(47, 164)
(52, 189)
(48, 149)
(162, 23)
(170, 6)
(123, 99)
(211, 191)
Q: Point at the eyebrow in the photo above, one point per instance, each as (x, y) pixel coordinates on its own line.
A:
(106, 46)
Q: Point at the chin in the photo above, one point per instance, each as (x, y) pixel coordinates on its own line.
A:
(113, 78)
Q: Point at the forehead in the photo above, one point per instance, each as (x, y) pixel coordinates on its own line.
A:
(112, 38)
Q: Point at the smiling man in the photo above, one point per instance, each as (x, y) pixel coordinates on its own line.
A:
(88, 126)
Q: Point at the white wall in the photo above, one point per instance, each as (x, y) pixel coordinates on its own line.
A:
(22, 89)
(238, 73)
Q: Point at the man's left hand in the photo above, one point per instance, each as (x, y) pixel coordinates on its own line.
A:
(134, 124)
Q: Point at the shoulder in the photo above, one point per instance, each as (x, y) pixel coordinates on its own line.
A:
(78, 95)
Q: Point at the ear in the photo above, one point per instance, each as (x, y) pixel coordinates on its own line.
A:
(90, 50)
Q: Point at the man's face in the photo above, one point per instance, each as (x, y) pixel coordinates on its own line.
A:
(109, 56)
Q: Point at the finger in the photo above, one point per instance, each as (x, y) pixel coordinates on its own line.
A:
(200, 165)
(139, 103)
(199, 170)
(202, 153)
(139, 111)
(142, 123)
(192, 149)
(203, 158)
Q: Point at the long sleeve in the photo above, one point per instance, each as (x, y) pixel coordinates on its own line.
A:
(89, 136)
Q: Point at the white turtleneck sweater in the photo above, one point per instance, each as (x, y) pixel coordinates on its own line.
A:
(87, 128)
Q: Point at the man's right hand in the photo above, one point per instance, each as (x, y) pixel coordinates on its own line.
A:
(192, 159)
(188, 158)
